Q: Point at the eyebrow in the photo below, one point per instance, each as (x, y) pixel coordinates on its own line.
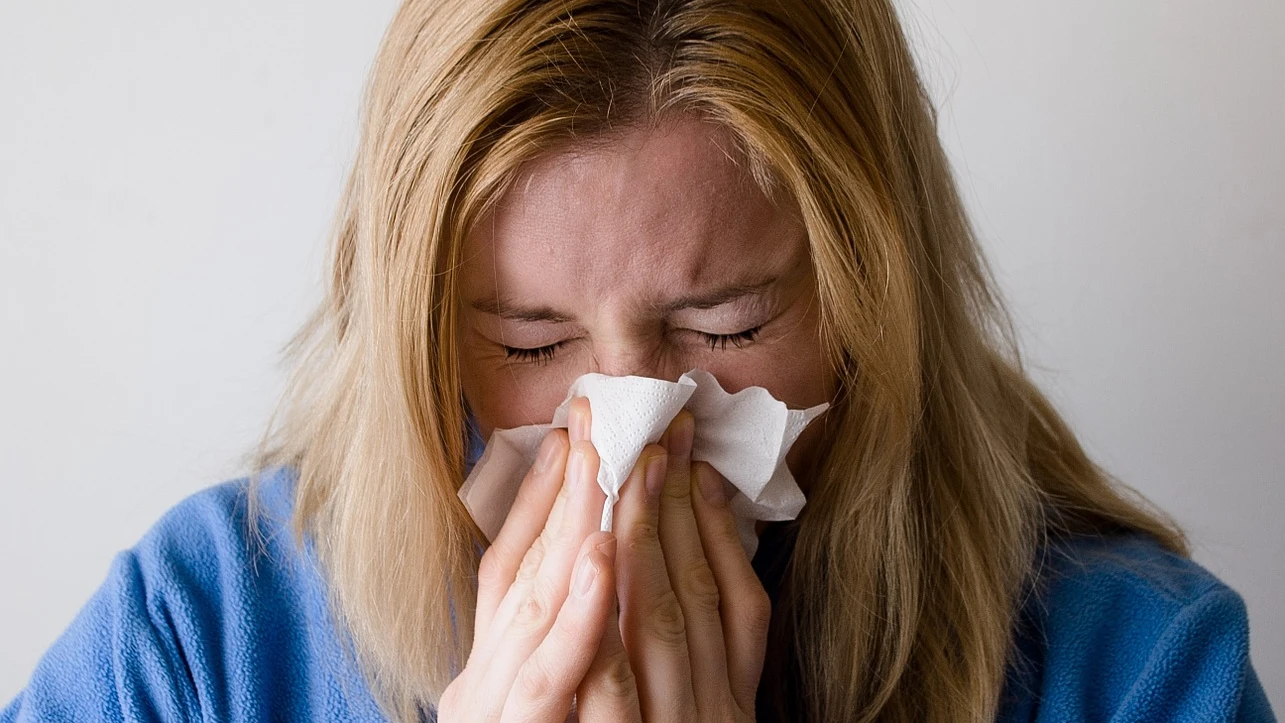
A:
(515, 312)
(507, 310)
(719, 297)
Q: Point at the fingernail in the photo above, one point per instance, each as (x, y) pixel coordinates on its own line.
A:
(680, 442)
(711, 484)
(608, 548)
(586, 575)
(578, 469)
(579, 426)
(548, 450)
(655, 476)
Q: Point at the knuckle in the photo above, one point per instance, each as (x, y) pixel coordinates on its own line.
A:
(457, 699)
(666, 620)
(700, 588)
(533, 612)
(531, 561)
(537, 683)
(450, 697)
(678, 487)
(642, 534)
(754, 613)
(615, 678)
(490, 570)
(678, 484)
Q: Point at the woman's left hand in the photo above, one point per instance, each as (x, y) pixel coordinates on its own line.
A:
(693, 614)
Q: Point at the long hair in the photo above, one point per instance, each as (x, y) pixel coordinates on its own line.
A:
(946, 468)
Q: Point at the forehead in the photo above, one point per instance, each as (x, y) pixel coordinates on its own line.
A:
(652, 212)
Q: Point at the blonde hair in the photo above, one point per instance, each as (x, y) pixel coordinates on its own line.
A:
(946, 468)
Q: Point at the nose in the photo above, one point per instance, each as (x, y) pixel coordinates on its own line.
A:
(634, 358)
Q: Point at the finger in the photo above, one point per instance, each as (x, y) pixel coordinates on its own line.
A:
(744, 606)
(531, 508)
(545, 573)
(690, 575)
(566, 523)
(543, 491)
(529, 608)
(581, 517)
(651, 619)
(609, 691)
(547, 680)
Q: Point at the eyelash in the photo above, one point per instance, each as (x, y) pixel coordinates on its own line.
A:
(716, 342)
(539, 355)
(739, 339)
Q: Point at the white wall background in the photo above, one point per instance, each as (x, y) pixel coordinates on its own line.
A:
(168, 172)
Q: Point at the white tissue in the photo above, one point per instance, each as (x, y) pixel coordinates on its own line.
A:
(745, 436)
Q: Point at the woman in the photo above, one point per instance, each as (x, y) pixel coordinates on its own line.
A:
(753, 187)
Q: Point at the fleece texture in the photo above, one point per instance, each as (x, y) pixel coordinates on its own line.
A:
(201, 621)
(1122, 630)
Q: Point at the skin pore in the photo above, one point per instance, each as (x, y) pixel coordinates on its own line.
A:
(649, 255)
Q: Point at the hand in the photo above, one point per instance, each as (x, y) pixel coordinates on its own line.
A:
(693, 615)
(546, 591)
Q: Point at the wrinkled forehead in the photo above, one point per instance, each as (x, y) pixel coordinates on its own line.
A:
(675, 207)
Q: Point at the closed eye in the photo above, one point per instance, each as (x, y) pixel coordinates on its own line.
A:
(545, 354)
(719, 342)
(537, 355)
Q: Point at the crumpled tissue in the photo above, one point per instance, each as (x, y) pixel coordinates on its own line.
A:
(745, 436)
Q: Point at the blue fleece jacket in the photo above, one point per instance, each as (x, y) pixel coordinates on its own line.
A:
(199, 623)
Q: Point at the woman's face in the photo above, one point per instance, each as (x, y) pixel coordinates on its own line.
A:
(651, 255)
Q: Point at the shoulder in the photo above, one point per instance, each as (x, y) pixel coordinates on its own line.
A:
(231, 542)
(1120, 628)
(1126, 582)
(217, 613)
(224, 553)
(247, 605)
(219, 529)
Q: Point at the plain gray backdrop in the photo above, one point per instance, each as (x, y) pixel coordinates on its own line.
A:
(168, 173)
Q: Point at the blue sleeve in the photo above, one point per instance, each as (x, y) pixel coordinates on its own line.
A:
(202, 620)
(118, 661)
(1199, 669)
(1122, 630)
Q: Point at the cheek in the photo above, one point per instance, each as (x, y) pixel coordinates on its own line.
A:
(813, 384)
(797, 372)
(797, 377)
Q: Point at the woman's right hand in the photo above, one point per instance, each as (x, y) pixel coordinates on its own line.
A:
(546, 591)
